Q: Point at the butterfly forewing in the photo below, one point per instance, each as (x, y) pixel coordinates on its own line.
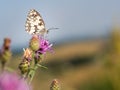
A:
(34, 23)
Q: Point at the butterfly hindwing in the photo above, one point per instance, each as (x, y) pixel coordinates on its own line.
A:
(34, 23)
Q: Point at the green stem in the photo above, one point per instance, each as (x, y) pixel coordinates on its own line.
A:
(32, 73)
(31, 76)
(32, 70)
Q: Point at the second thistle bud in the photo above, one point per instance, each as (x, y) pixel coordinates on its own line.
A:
(34, 43)
(55, 85)
(5, 52)
(24, 66)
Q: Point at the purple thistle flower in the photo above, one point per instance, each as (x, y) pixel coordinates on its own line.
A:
(11, 81)
(44, 46)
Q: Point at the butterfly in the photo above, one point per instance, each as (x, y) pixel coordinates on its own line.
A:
(35, 24)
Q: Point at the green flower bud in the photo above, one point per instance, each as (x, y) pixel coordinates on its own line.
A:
(6, 56)
(54, 85)
(24, 67)
(34, 43)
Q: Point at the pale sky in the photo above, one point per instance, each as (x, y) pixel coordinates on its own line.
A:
(75, 18)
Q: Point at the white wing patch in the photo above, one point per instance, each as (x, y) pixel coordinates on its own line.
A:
(34, 23)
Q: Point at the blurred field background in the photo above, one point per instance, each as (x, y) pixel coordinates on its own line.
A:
(86, 47)
(91, 64)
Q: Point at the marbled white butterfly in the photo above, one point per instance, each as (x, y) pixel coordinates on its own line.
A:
(34, 23)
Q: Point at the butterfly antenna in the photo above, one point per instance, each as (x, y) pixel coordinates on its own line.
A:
(52, 28)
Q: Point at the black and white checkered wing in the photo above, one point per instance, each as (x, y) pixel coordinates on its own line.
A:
(34, 23)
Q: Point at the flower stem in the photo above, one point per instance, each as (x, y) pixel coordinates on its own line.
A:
(32, 73)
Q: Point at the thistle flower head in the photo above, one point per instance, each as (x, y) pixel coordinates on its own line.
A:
(5, 52)
(45, 46)
(39, 44)
(11, 81)
(6, 45)
(55, 85)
